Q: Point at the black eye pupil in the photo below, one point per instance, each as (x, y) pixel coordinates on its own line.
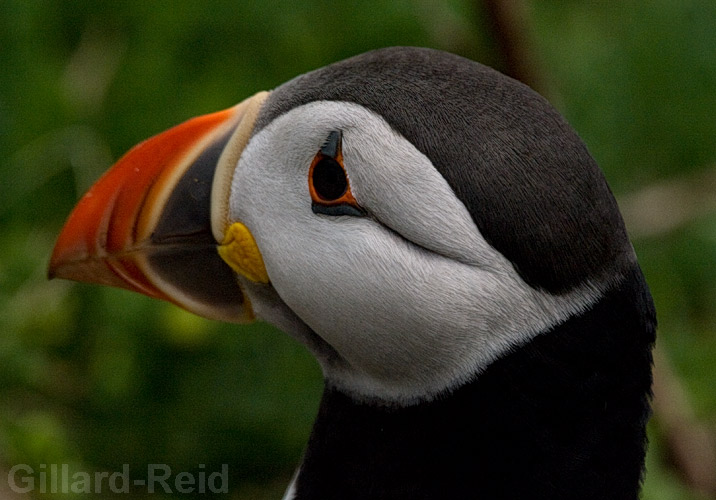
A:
(329, 179)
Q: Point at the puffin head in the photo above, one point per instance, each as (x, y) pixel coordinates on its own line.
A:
(409, 215)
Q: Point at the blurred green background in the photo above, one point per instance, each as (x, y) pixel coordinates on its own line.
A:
(97, 378)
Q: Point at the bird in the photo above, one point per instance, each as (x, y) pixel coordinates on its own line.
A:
(439, 238)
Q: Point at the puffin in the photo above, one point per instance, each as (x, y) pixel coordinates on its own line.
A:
(439, 238)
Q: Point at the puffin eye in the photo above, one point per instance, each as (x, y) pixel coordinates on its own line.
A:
(328, 182)
(329, 179)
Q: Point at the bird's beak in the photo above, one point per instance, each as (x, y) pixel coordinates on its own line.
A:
(155, 221)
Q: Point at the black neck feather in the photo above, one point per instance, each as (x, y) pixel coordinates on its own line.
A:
(559, 418)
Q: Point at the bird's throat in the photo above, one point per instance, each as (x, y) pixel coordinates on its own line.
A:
(562, 417)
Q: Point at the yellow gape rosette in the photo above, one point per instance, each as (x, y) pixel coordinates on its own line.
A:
(239, 250)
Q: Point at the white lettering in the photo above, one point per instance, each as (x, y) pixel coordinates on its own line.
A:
(65, 478)
(202, 479)
(27, 480)
(22, 478)
(81, 483)
(124, 476)
(43, 479)
(98, 476)
(53, 478)
(184, 482)
(162, 480)
(223, 476)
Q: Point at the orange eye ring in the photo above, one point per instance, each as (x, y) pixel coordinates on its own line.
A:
(328, 182)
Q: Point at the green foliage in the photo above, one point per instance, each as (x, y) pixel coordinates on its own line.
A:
(97, 378)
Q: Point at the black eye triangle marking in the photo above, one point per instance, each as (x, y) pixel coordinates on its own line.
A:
(332, 146)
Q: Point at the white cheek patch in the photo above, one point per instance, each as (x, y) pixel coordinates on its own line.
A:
(413, 303)
(407, 194)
